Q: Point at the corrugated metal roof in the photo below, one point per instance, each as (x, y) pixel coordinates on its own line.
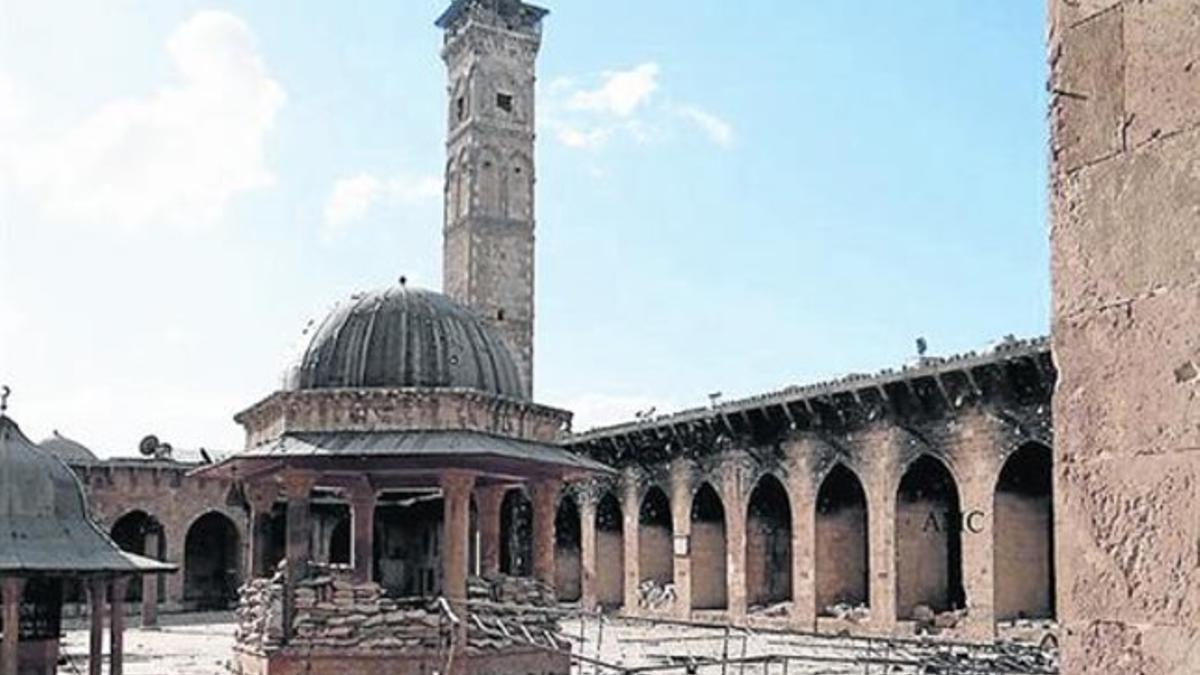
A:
(45, 526)
(421, 444)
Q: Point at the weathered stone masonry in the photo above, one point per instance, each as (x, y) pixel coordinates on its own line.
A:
(1125, 194)
(813, 501)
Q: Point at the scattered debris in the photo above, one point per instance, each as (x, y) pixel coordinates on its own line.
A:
(653, 595)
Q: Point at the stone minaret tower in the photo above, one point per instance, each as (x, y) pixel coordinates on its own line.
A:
(490, 52)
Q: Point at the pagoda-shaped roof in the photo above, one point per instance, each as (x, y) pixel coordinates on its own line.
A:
(45, 523)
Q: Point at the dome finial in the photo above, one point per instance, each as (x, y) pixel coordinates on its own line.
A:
(5, 391)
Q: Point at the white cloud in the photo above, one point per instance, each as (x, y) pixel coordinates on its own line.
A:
(353, 197)
(176, 156)
(583, 139)
(621, 93)
(622, 106)
(718, 130)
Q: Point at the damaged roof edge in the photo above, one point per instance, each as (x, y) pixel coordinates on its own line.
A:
(1003, 351)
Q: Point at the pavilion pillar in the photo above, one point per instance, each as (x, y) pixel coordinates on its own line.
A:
(14, 588)
(362, 515)
(98, 601)
(587, 549)
(545, 506)
(488, 500)
(116, 660)
(456, 524)
(261, 497)
(150, 581)
(297, 486)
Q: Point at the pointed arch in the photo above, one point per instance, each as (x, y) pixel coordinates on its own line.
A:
(211, 562)
(709, 553)
(1023, 527)
(655, 561)
(132, 532)
(568, 533)
(610, 552)
(842, 541)
(768, 543)
(928, 550)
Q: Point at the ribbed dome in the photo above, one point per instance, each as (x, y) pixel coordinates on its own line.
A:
(68, 450)
(404, 337)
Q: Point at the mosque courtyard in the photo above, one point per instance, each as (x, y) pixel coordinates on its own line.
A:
(202, 644)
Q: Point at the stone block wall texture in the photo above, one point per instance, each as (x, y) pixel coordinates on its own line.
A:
(1125, 200)
(654, 554)
(709, 558)
(841, 559)
(922, 557)
(1023, 557)
(610, 568)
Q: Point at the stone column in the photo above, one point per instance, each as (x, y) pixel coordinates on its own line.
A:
(98, 601)
(587, 549)
(630, 513)
(544, 494)
(881, 487)
(456, 524)
(116, 629)
(488, 500)
(362, 515)
(150, 582)
(297, 486)
(14, 588)
(977, 476)
(801, 486)
(733, 480)
(261, 497)
(681, 531)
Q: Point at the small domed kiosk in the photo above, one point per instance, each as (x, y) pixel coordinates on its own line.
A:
(407, 409)
(48, 538)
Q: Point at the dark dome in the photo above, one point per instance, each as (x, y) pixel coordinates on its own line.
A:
(404, 337)
(68, 450)
(45, 524)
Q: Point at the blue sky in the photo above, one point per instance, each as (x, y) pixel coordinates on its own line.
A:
(731, 196)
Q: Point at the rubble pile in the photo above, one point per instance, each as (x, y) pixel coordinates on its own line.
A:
(653, 595)
(779, 610)
(932, 623)
(845, 611)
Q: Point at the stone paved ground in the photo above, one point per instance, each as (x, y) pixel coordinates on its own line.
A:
(200, 644)
(192, 644)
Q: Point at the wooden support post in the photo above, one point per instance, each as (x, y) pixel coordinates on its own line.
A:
(14, 588)
(150, 582)
(545, 508)
(98, 600)
(362, 517)
(488, 499)
(117, 627)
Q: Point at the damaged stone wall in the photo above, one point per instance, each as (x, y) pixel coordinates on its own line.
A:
(1125, 194)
